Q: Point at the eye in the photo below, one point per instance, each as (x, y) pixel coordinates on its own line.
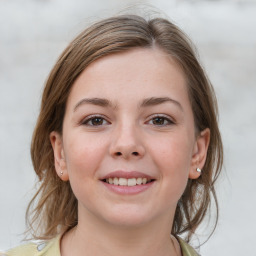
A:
(161, 121)
(94, 121)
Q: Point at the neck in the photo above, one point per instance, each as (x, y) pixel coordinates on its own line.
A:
(92, 237)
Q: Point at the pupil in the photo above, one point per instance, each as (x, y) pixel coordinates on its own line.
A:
(97, 121)
(158, 120)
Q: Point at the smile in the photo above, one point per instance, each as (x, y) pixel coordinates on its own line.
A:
(127, 182)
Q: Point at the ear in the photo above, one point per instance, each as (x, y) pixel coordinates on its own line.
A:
(199, 153)
(59, 158)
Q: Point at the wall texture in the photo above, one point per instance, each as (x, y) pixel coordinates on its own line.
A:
(34, 32)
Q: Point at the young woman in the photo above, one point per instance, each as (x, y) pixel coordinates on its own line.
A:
(126, 147)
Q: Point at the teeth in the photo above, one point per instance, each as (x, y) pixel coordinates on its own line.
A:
(139, 181)
(123, 182)
(127, 182)
(116, 181)
(132, 182)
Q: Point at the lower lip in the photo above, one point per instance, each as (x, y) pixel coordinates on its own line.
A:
(128, 190)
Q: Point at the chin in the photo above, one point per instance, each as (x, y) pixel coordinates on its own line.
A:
(128, 218)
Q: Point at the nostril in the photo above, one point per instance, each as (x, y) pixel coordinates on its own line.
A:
(133, 153)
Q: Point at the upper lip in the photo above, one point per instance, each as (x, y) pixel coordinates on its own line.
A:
(127, 175)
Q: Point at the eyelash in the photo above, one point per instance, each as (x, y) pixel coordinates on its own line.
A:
(163, 117)
(90, 118)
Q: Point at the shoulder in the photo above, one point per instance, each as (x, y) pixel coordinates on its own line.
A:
(38, 248)
(25, 249)
(186, 249)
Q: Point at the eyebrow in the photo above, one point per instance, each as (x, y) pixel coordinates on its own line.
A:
(153, 101)
(159, 100)
(94, 101)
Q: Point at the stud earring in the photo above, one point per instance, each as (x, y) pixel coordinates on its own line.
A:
(61, 173)
(198, 170)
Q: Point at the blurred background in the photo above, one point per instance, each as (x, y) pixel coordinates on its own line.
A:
(33, 33)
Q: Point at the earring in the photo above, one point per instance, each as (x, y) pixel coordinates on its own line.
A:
(198, 170)
(61, 173)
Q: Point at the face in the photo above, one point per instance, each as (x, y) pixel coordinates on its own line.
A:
(128, 144)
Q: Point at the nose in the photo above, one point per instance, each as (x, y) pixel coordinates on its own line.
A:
(127, 143)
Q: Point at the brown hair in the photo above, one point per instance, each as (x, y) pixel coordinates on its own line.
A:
(53, 209)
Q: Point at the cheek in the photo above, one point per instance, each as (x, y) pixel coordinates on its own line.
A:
(82, 154)
(174, 152)
(172, 157)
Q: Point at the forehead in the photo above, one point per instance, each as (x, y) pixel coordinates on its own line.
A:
(137, 73)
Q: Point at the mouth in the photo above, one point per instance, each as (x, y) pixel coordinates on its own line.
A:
(130, 182)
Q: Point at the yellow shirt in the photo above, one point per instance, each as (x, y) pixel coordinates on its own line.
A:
(52, 248)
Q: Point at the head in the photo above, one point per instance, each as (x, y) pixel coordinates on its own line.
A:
(57, 205)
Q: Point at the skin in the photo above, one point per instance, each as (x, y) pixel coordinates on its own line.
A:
(157, 139)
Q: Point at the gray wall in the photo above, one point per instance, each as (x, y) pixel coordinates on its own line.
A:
(34, 32)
